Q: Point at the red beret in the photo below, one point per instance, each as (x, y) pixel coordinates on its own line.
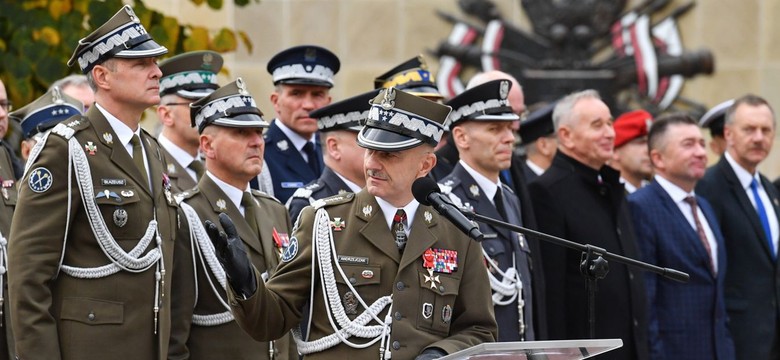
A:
(631, 125)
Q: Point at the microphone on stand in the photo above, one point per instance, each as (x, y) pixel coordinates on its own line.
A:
(427, 192)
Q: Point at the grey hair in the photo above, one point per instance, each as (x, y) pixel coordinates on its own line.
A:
(562, 111)
(71, 80)
(749, 99)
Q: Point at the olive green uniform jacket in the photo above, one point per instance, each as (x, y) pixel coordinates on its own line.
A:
(225, 341)
(8, 196)
(452, 313)
(180, 179)
(56, 316)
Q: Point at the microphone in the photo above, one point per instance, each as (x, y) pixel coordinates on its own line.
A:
(427, 192)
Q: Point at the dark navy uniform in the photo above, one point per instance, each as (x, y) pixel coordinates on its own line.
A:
(327, 185)
(288, 169)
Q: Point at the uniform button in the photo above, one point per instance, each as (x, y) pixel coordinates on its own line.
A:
(441, 288)
(397, 315)
(396, 345)
(636, 323)
(630, 276)
(619, 232)
(91, 316)
(400, 286)
(352, 281)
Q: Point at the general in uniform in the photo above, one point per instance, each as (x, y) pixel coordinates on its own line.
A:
(339, 124)
(92, 236)
(185, 78)
(481, 127)
(203, 327)
(349, 255)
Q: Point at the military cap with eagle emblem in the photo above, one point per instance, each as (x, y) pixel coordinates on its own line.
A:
(46, 111)
(398, 121)
(230, 106)
(411, 76)
(488, 101)
(715, 118)
(304, 65)
(122, 36)
(347, 114)
(538, 124)
(191, 75)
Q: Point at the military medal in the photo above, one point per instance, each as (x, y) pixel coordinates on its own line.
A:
(120, 217)
(338, 224)
(108, 138)
(367, 274)
(428, 217)
(281, 240)
(434, 279)
(89, 146)
(474, 190)
(440, 260)
(367, 210)
(446, 314)
(221, 204)
(127, 193)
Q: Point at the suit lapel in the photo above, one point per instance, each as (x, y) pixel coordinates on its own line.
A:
(481, 204)
(375, 230)
(155, 167)
(119, 155)
(265, 221)
(421, 237)
(744, 201)
(213, 194)
(293, 159)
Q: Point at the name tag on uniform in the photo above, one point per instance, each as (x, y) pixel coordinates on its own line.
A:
(291, 185)
(348, 259)
(113, 182)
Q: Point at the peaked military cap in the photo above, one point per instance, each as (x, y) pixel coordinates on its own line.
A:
(539, 123)
(191, 75)
(631, 125)
(399, 121)
(304, 65)
(46, 111)
(122, 36)
(715, 118)
(230, 106)
(487, 101)
(347, 114)
(411, 76)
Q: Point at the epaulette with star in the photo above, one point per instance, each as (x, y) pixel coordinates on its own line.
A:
(184, 195)
(68, 127)
(333, 200)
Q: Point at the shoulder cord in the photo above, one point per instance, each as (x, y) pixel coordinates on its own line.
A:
(325, 250)
(509, 285)
(205, 252)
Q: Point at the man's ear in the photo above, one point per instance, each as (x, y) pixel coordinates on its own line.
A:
(164, 114)
(100, 76)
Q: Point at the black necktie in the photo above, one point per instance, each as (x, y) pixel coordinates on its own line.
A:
(498, 200)
(138, 157)
(314, 162)
(197, 166)
(248, 202)
(399, 230)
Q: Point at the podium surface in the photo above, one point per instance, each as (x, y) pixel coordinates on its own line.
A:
(537, 350)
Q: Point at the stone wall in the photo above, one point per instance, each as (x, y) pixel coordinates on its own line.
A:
(371, 36)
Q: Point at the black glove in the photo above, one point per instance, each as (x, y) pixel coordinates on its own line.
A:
(430, 354)
(232, 255)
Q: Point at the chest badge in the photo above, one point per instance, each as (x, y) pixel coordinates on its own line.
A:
(367, 210)
(428, 217)
(338, 224)
(433, 279)
(440, 260)
(221, 204)
(108, 138)
(120, 217)
(89, 146)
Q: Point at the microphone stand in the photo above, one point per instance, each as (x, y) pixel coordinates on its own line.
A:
(594, 264)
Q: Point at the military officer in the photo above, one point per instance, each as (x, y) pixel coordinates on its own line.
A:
(395, 278)
(339, 124)
(92, 237)
(203, 327)
(481, 126)
(42, 114)
(537, 136)
(185, 78)
(715, 119)
(411, 76)
(303, 76)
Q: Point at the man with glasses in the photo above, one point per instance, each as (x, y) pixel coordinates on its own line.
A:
(186, 78)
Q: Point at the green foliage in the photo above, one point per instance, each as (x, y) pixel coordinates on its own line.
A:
(37, 37)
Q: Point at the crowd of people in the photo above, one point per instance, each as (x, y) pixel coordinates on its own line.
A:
(236, 234)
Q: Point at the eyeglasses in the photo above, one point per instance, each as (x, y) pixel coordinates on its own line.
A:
(6, 105)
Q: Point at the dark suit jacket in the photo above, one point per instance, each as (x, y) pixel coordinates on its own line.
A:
(500, 244)
(328, 184)
(288, 169)
(752, 277)
(529, 174)
(687, 321)
(570, 203)
(55, 315)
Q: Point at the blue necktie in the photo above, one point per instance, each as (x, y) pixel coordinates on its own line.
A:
(762, 216)
(506, 175)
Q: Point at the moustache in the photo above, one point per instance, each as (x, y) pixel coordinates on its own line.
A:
(376, 174)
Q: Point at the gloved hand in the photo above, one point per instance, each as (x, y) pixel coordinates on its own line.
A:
(232, 255)
(430, 354)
